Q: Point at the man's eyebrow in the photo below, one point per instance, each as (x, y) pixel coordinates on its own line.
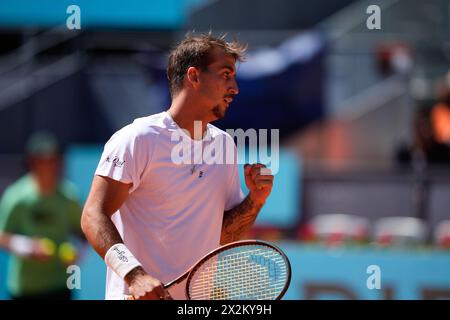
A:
(227, 67)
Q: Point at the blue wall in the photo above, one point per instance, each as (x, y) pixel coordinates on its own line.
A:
(106, 13)
(3, 260)
(406, 273)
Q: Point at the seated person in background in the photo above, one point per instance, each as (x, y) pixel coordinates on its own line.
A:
(425, 145)
(38, 214)
(440, 114)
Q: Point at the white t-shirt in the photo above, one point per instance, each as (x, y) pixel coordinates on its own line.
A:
(173, 214)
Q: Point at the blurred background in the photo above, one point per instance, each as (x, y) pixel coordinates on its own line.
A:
(363, 114)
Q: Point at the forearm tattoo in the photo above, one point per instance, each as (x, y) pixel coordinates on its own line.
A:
(238, 221)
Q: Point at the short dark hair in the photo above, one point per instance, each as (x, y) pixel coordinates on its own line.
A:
(42, 144)
(194, 51)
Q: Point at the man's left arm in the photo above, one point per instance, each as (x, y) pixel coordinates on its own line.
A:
(238, 221)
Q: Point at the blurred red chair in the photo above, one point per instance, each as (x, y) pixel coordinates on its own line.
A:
(442, 234)
(399, 231)
(336, 229)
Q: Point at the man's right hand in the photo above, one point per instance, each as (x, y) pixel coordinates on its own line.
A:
(144, 287)
(31, 248)
(42, 249)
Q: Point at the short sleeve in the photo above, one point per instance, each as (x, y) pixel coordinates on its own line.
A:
(234, 193)
(10, 214)
(124, 157)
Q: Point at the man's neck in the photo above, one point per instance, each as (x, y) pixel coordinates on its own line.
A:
(182, 111)
(46, 186)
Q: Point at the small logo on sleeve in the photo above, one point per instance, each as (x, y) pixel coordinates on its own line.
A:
(116, 161)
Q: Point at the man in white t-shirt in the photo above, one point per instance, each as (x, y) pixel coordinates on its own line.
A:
(150, 216)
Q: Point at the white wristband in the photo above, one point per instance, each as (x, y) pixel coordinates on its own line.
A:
(121, 260)
(21, 245)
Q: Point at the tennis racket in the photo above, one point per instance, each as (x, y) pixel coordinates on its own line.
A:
(242, 270)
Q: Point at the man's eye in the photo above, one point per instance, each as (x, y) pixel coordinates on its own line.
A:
(226, 75)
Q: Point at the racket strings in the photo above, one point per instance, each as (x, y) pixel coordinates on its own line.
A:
(245, 272)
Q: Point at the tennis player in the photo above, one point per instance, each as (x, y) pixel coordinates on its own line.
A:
(151, 218)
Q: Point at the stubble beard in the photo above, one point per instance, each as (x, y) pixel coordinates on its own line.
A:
(219, 112)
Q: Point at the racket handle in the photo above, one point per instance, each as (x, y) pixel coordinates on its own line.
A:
(131, 297)
(165, 286)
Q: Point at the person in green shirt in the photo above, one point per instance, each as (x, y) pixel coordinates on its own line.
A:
(39, 215)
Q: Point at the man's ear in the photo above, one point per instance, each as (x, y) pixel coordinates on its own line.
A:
(192, 76)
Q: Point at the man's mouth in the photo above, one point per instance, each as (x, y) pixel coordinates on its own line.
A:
(228, 100)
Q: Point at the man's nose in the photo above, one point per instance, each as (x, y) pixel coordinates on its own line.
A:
(234, 88)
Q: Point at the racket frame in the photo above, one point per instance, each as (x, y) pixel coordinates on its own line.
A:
(190, 273)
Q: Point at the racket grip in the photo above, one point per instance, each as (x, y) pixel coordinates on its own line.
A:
(131, 297)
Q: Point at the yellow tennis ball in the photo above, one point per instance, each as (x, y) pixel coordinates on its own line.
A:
(67, 252)
(48, 246)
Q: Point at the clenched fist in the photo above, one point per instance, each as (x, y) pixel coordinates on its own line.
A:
(259, 181)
